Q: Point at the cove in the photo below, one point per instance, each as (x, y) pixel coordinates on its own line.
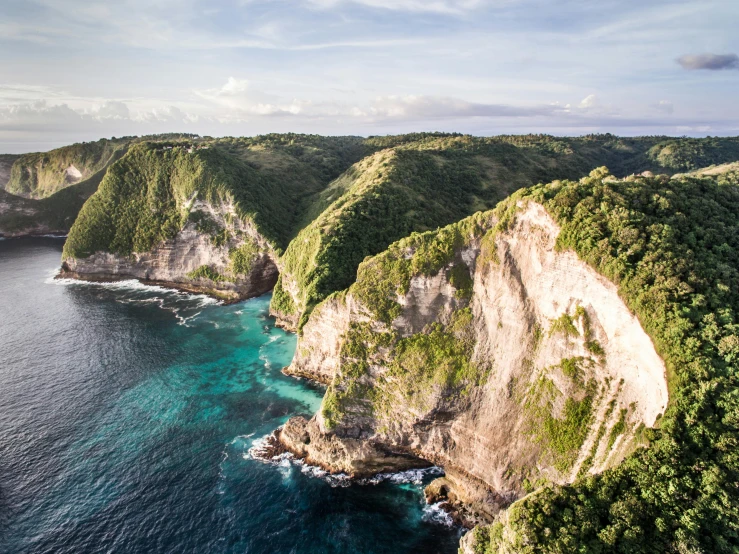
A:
(126, 418)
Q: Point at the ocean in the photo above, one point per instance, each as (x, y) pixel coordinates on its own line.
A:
(127, 416)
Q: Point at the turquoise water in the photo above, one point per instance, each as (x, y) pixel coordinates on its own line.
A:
(126, 418)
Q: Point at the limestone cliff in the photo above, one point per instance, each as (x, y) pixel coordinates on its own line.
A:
(236, 263)
(182, 215)
(494, 355)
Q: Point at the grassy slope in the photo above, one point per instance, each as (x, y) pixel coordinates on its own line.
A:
(55, 213)
(672, 246)
(143, 197)
(429, 180)
(39, 175)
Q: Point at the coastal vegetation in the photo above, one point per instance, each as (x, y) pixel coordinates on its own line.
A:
(367, 215)
(39, 175)
(422, 181)
(672, 246)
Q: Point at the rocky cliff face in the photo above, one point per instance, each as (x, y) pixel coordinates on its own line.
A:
(505, 362)
(237, 263)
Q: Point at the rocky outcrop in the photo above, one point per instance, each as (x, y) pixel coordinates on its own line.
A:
(354, 456)
(193, 260)
(539, 370)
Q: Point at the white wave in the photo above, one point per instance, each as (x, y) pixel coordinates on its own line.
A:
(132, 285)
(265, 359)
(414, 476)
(183, 320)
(333, 479)
(221, 475)
(260, 448)
(436, 514)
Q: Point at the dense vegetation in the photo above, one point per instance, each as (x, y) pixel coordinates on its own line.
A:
(145, 198)
(271, 181)
(437, 359)
(382, 199)
(428, 180)
(40, 175)
(672, 246)
(55, 213)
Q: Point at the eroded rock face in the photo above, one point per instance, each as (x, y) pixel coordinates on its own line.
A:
(174, 261)
(557, 340)
(355, 456)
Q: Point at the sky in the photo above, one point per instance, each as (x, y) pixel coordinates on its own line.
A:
(79, 70)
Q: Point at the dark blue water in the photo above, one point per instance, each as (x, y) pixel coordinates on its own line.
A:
(126, 417)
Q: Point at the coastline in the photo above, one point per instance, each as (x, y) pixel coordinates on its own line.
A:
(225, 299)
(36, 235)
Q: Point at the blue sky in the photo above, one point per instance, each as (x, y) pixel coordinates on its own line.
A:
(80, 70)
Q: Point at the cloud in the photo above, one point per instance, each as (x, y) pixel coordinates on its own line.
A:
(713, 62)
(590, 101)
(237, 95)
(412, 107)
(433, 6)
(29, 114)
(113, 110)
(664, 106)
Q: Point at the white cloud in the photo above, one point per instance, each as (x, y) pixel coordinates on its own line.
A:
(664, 106)
(112, 109)
(239, 107)
(590, 101)
(434, 6)
(238, 95)
(422, 107)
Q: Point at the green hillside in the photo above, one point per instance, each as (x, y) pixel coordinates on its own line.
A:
(145, 197)
(39, 175)
(426, 180)
(55, 213)
(328, 202)
(672, 246)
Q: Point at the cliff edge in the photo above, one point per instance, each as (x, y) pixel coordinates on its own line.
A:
(506, 361)
(569, 359)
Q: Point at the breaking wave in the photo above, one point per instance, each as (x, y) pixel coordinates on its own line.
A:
(262, 448)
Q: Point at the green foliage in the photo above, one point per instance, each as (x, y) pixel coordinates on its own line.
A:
(460, 279)
(437, 359)
(692, 153)
(40, 175)
(618, 428)
(572, 368)
(384, 198)
(242, 258)
(145, 197)
(564, 324)
(381, 278)
(281, 301)
(272, 181)
(204, 223)
(672, 246)
(427, 180)
(561, 436)
(206, 272)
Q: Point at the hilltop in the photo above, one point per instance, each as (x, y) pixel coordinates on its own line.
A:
(569, 359)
